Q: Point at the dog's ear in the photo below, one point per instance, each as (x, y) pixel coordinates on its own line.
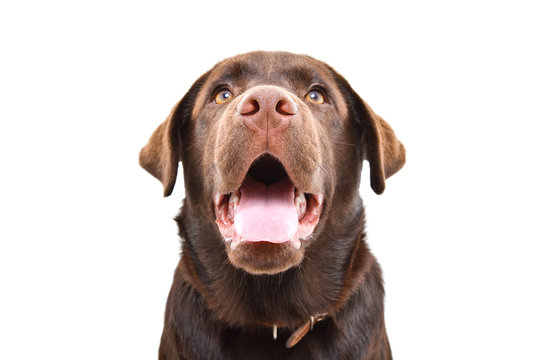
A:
(379, 144)
(162, 153)
(385, 154)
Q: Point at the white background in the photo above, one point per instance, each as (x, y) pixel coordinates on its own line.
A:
(88, 245)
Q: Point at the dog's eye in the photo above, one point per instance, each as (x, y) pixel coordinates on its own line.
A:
(316, 97)
(223, 96)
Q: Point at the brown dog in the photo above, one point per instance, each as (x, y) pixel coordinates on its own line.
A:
(274, 262)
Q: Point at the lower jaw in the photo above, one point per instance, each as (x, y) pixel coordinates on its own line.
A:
(263, 257)
(236, 240)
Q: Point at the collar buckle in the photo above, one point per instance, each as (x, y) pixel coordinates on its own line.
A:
(301, 331)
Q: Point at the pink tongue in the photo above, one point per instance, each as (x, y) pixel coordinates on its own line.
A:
(266, 213)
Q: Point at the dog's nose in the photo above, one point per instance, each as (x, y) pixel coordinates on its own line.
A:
(266, 108)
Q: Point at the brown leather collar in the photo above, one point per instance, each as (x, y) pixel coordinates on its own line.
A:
(301, 331)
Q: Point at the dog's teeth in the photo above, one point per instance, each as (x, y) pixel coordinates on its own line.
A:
(299, 198)
(236, 240)
(235, 197)
(300, 203)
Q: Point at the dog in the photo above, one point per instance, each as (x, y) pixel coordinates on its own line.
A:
(274, 263)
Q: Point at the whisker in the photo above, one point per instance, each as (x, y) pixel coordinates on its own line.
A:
(192, 145)
(345, 143)
(320, 164)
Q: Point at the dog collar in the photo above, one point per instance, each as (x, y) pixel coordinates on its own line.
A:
(301, 331)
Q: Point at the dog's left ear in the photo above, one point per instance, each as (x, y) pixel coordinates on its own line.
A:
(379, 144)
(382, 149)
(162, 153)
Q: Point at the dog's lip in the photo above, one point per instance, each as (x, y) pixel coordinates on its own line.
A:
(308, 205)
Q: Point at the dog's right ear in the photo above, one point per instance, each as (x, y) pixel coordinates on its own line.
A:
(162, 153)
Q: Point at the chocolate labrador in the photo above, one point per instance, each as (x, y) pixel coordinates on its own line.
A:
(274, 261)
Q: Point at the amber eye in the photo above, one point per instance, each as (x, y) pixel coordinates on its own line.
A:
(316, 97)
(223, 96)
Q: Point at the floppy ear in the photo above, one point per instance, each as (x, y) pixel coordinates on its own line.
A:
(379, 144)
(382, 149)
(162, 153)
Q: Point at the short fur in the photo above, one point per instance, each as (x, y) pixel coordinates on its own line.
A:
(223, 303)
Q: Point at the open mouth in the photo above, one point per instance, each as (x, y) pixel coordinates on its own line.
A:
(267, 207)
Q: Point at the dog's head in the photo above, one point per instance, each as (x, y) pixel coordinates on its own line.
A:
(272, 146)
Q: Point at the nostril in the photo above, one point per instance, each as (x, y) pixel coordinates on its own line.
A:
(248, 107)
(286, 107)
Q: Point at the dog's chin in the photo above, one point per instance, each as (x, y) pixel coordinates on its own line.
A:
(264, 257)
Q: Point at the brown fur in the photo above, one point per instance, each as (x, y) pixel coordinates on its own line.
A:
(223, 302)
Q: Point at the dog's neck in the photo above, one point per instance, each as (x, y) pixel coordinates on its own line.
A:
(286, 299)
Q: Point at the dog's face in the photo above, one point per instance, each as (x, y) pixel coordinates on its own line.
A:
(272, 146)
